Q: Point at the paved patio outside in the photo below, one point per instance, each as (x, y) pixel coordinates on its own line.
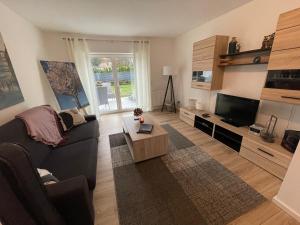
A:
(127, 103)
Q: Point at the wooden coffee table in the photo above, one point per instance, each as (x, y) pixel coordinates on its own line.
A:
(145, 146)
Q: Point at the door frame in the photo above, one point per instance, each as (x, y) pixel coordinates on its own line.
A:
(113, 57)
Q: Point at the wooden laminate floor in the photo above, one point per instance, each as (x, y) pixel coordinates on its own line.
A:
(268, 185)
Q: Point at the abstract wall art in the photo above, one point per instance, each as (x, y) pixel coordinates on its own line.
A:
(65, 83)
(10, 92)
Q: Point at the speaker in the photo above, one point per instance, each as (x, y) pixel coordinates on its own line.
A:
(290, 140)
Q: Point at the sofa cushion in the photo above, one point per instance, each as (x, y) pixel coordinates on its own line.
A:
(82, 132)
(15, 132)
(66, 121)
(71, 117)
(73, 160)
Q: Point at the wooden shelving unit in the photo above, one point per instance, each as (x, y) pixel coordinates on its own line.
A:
(246, 58)
(207, 75)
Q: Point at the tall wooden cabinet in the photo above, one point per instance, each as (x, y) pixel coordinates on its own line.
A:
(207, 74)
(286, 47)
(283, 79)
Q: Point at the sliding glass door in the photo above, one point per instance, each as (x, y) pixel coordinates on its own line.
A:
(115, 82)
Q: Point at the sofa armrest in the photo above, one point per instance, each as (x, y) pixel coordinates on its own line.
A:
(90, 117)
(72, 199)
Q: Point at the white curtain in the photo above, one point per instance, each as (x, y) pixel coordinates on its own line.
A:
(78, 53)
(142, 71)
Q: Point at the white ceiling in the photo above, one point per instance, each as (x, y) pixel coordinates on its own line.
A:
(121, 17)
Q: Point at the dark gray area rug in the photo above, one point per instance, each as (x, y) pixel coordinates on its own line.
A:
(184, 187)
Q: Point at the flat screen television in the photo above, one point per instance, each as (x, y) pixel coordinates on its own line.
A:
(235, 110)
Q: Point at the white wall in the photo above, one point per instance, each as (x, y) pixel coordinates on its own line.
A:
(288, 197)
(25, 46)
(250, 23)
(162, 53)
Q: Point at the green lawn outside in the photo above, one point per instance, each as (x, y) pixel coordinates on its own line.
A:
(125, 89)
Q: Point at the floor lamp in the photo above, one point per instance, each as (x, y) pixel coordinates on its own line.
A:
(167, 71)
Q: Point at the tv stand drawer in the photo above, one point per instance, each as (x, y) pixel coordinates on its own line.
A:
(266, 152)
(263, 162)
(204, 125)
(187, 116)
(228, 138)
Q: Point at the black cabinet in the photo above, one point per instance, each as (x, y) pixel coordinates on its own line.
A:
(223, 135)
(204, 125)
(228, 138)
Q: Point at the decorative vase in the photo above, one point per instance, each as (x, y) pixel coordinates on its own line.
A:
(238, 48)
(137, 112)
(268, 135)
(232, 46)
(142, 119)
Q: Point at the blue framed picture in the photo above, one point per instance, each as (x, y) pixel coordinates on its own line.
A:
(66, 84)
(10, 92)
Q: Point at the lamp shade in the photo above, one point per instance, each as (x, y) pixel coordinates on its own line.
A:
(167, 71)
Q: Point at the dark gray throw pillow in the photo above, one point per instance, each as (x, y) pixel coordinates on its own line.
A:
(66, 120)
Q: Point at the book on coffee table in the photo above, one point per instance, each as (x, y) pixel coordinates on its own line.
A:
(145, 128)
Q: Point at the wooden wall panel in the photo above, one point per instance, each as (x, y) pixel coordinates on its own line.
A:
(287, 39)
(285, 59)
(289, 19)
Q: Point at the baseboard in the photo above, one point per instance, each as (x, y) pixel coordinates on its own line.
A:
(286, 208)
(158, 107)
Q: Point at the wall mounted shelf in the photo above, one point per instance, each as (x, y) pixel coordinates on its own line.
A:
(246, 58)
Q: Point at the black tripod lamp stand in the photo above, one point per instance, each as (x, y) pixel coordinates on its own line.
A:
(167, 71)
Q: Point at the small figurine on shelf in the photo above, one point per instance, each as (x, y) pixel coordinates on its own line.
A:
(268, 41)
(264, 44)
(137, 112)
(271, 40)
(232, 46)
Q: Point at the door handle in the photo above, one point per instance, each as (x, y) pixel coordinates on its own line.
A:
(290, 97)
(268, 153)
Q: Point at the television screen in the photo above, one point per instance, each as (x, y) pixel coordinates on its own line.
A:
(236, 110)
